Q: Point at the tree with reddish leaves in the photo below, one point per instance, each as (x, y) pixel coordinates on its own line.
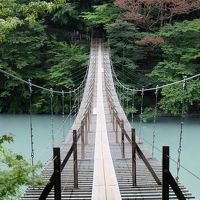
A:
(150, 41)
(151, 14)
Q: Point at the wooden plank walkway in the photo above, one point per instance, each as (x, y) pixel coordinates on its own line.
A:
(105, 185)
(102, 171)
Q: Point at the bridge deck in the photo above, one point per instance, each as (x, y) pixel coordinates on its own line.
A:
(103, 173)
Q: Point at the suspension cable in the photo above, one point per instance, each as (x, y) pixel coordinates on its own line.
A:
(181, 128)
(141, 113)
(56, 133)
(147, 89)
(133, 106)
(75, 103)
(127, 101)
(63, 113)
(31, 121)
(123, 97)
(154, 119)
(78, 96)
(174, 161)
(52, 120)
(121, 92)
(70, 105)
(73, 90)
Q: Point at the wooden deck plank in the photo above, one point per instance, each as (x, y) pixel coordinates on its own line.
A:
(104, 173)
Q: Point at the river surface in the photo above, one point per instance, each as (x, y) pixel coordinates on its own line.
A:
(19, 127)
(167, 133)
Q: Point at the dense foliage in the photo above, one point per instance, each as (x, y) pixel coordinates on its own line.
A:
(15, 171)
(40, 51)
(155, 42)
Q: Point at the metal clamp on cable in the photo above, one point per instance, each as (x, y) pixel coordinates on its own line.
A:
(52, 127)
(154, 119)
(182, 123)
(31, 123)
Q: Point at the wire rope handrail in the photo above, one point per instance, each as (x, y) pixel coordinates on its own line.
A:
(56, 133)
(172, 159)
(44, 88)
(149, 89)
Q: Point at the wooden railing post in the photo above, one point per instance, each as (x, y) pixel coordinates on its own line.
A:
(168, 179)
(122, 139)
(133, 157)
(165, 171)
(57, 172)
(117, 128)
(75, 159)
(82, 141)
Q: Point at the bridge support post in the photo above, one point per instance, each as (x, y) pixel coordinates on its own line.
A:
(122, 139)
(165, 172)
(133, 156)
(75, 159)
(57, 173)
(82, 141)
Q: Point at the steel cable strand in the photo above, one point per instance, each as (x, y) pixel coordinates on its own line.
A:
(141, 114)
(52, 117)
(149, 89)
(31, 122)
(57, 132)
(44, 88)
(181, 128)
(173, 160)
(133, 105)
(63, 112)
(154, 119)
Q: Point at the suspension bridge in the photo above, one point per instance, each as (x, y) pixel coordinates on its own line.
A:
(101, 157)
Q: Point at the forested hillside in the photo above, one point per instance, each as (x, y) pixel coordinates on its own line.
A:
(45, 42)
(152, 43)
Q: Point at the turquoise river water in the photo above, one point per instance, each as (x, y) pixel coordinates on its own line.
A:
(167, 133)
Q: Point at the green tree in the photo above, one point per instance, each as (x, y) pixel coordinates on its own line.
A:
(21, 54)
(180, 58)
(126, 55)
(100, 16)
(14, 13)
(15, 171)
(67, 68)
